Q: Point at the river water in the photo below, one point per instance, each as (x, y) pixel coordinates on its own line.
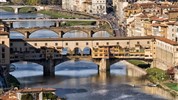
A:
(80, 80)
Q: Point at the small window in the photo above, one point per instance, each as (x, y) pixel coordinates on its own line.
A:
(56, 44)
(86, 43)
(11, 44)
(117, 43)
(97, 43)
(25, 44)
(148, 42)
(3, 49)
(138, 42)
(3, 42)
(36, 44)
(177, 49)
(77, 43)
(107, 43)
(66, 43)
(46, 44)
(127, 43)
(3, 55)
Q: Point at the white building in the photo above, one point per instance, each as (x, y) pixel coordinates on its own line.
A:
(88, 6)
(3, 1)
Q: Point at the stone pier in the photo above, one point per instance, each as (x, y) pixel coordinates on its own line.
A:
(104, 65)
(49, 68)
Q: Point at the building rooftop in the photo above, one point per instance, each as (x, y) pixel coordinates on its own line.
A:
(166, 40)
(3, 33)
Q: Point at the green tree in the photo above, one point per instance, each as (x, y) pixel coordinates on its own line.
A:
(32, 2)
(27, 97)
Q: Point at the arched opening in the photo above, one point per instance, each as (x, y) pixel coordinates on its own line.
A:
(26, 69)
(16, 35)
(75, 34)
(44, 33)
(66, 51)
(27, 9)
(118, 68)
(77, 51)
(86, 51)
(76, 68)
(101, 34)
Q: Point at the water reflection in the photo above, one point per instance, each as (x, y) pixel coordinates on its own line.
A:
(81, 81)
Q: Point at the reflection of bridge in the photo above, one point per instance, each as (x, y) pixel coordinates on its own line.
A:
(102, 51)
(18, 7)
(62, 30)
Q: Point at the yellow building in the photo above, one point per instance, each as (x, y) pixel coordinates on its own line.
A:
(4, 46)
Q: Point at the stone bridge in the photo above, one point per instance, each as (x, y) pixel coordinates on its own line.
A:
(101, 51)
(62, 30)
(18, 7)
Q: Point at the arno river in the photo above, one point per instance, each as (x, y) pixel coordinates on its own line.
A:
(80, 80)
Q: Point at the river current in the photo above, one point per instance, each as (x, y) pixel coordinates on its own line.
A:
(80, 80)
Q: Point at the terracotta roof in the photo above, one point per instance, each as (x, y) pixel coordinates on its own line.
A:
(166, 40)
(155, 24)
(2, 32)
(171, 23)
(158, 19)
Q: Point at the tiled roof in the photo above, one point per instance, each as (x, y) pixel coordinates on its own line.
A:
(2, 32)
(166, 40)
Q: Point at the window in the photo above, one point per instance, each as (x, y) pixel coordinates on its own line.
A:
(66, 43)
(117, 43)
(3, 49)
(127, 43)
(36, 44)
(46, 44)
(138, 42)
(148, 42)
(11, 44)
(25, 44)
(3, 55)
(3, 42)
(107, 43)
(86, 43)
(77, 43)
(56, 44)
(97, 43)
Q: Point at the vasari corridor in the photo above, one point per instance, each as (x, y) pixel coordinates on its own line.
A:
(88, 50)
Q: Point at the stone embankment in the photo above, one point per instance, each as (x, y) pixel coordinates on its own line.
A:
(137, 71)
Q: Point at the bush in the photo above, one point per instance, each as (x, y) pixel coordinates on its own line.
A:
(27, 97)
(156, 75)
(50, 96)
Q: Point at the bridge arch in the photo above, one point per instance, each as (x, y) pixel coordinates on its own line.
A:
(66, 51)
(43, 33)
(76, 68)
(75, 34)
(87, 51)
(26, 68)
(77, 51)
(16, 35)
(32, 8)
(101, 34)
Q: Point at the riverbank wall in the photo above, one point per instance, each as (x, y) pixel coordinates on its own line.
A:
(134, 70)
